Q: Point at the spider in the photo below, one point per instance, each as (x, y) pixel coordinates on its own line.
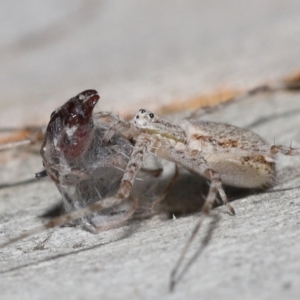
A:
(221, 153)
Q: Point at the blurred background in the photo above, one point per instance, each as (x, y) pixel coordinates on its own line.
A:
(142, 53)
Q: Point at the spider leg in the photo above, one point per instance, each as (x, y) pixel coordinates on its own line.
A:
(119, 125)
(289, 151)
(108, 114)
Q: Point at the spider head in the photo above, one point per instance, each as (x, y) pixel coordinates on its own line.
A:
(144, 119)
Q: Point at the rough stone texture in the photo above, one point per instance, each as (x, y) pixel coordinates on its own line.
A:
(150, 52)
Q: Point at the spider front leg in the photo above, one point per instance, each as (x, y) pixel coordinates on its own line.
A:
(119, 125)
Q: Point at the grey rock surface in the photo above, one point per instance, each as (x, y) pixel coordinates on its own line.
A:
(151, 52)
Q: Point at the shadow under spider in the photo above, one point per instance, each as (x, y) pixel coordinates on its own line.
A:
(189, 193)
(187, 196)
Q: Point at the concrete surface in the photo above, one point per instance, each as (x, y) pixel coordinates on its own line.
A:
(138, 53)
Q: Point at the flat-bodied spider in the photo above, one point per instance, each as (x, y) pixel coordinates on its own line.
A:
(221, 153)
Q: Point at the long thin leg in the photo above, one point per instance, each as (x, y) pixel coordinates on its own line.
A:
(107, 114)
(119, 125)
(142, 148)
(289, 151)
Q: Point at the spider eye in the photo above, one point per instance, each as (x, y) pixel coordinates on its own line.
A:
(142, 111)
(137, 116)
(151, 115)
